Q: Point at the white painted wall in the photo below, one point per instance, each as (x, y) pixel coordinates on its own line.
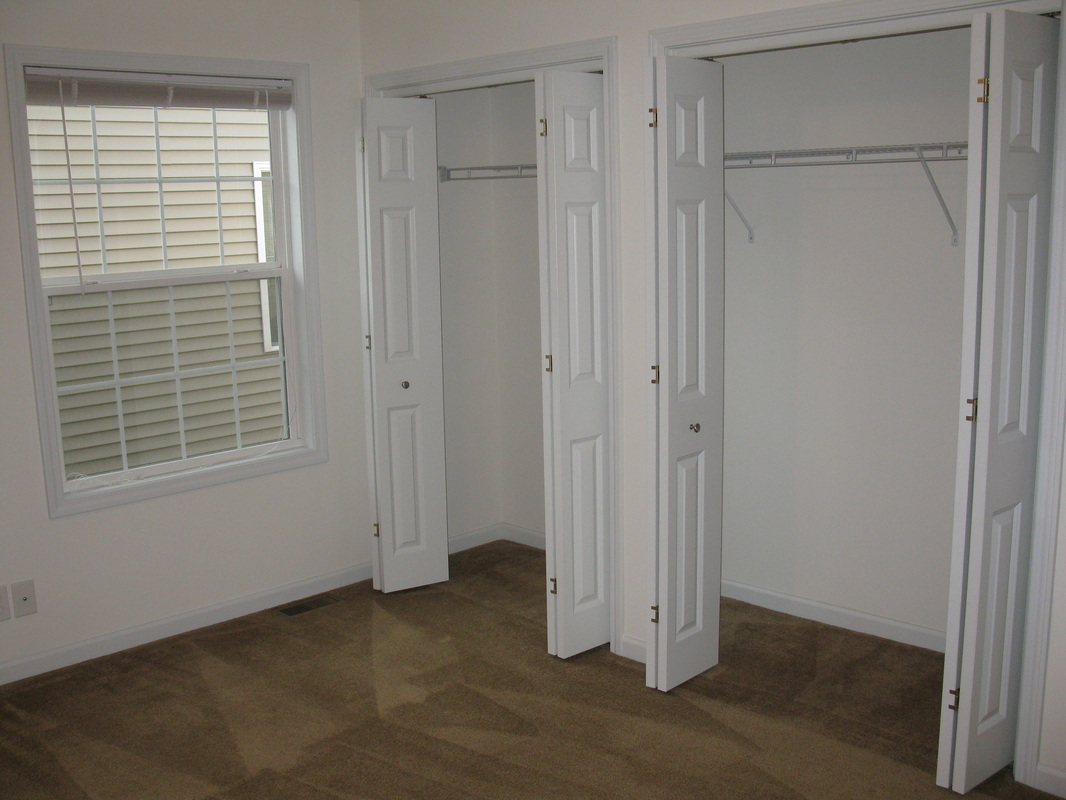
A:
(111, 573)
(491, 313)
(844, 329)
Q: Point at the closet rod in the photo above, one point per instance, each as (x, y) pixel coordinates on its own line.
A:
(879, 154)
(487, 173)
(885, 154)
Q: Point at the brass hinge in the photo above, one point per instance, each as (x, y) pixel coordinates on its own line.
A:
(555, 586)
(549, 367)
(543, 126)
(983, 98)
(954, 706)
(368, 341)
(655, 370)
(654, 118)
(377, 530)
(362, 144)
(655, 619)
(972, 416)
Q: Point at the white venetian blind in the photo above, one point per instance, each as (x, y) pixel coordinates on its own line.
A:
(151, 175)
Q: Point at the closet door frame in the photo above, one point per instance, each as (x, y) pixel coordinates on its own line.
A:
(834, 22)
(599, 55)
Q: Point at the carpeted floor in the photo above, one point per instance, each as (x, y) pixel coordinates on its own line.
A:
(447, 692)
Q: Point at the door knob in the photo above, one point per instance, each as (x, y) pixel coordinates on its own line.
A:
(406, 384)
(694, 427)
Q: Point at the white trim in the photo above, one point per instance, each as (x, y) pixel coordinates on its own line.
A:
(494, 533)
(180, 623)
(633, 649)
(1046, 503)
(478, 72)
(304, 358)
(839, 616)
(599, 54)
(827, 22)
(1048, 779)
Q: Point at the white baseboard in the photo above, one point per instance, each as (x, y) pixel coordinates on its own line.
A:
(182, 623)
(634, 649)
(493, 533)
(1050, 780)
(835, 615)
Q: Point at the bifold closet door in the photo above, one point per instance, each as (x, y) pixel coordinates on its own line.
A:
(689, 397)
(574, 290)
(1009, 262)
(405, 346)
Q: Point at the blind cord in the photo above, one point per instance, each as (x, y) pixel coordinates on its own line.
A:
(70, 178)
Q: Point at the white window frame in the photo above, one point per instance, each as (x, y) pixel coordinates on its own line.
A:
(269, 334)
(292, 178)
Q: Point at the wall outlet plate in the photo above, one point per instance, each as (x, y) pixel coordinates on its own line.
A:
(5, 604)
(23, 598)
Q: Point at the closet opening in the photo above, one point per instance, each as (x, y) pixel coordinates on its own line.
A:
(491, 313)
(907, 500)
(489, 268)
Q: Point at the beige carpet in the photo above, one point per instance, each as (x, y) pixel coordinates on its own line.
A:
(447, 692)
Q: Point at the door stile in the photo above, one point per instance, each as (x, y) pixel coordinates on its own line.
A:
(971, 323)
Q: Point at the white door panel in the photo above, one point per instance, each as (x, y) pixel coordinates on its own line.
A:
(1017, 201)
(406, 357)
(689, 159)
(574, 290)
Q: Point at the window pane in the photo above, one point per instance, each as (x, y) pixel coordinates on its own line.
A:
(158, 374)
(172, 187)
(126, 143)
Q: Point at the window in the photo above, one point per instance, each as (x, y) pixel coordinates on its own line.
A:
(167, 263)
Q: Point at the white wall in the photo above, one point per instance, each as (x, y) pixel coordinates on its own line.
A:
(491, 313)
(844, 329)
(120, 572)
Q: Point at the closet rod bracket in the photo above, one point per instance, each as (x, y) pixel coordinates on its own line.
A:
(939, 196)
(743, 219)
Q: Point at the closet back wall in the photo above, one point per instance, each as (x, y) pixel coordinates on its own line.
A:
(844, 330)
(491, 313)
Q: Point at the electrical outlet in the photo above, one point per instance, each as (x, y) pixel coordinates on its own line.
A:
(5, 604)
(23, 598)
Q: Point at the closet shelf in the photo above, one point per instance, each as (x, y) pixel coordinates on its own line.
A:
(879, 154)
(487, 173)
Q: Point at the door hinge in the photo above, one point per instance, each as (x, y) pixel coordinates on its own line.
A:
(972, 416)
(655, 619)
(362, 144)
(368, 341)
(549, 367)
(377, 530)
(654, 118)
(555, 586)
(954, 706)
(983, 98)
(543, 126)
(655, 373)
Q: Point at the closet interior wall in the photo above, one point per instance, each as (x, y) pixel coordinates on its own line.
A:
(490, 300)
(844, 330)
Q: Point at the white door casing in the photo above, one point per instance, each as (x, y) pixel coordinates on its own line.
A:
(571, 169)
(689, 148)
(406, 355)
(994, 555)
